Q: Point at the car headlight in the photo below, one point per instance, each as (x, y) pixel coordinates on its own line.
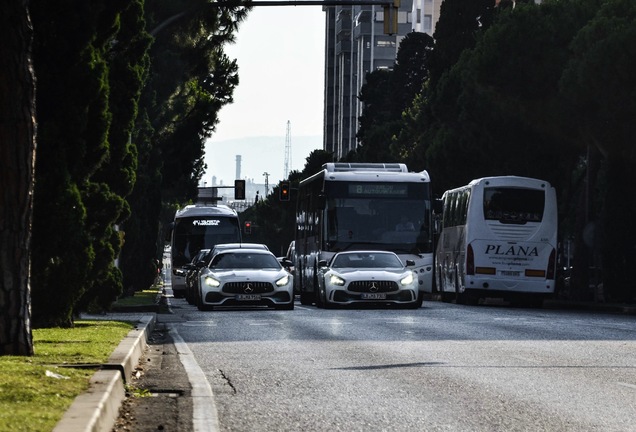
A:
(210, 281)
(283, 281)
(407, 280)
(336, 280)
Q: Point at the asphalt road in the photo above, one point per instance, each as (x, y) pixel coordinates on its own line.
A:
(443, 367)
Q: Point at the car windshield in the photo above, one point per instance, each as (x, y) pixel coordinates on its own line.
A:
(244, 260)
(366, 260)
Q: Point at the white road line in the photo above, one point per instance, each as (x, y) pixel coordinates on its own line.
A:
(632, 386)
(199, 324)
(204, 414)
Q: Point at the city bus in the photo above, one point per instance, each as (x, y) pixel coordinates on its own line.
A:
(196, 227)
(498, 238)
(362, 206)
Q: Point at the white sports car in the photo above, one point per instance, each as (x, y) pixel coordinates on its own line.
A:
(367, 277)
(245, 277)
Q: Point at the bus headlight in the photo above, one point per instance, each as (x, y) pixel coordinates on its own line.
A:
(336, 280)
(210, 281)
(408, 280)
(282, 281)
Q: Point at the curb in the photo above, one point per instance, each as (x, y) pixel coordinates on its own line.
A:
(97, 409)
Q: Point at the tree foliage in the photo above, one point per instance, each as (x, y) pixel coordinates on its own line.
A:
(81, 167)
(386, 94)
(122, 116)
(190, 80)
(537, 90)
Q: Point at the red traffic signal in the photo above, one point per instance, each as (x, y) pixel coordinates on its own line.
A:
(248, 227)
(284, 191)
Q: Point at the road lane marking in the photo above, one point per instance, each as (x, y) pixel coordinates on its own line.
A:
(205, 417)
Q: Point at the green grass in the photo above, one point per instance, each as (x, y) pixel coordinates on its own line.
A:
(32, 401)
(140, 298)
(142, 301)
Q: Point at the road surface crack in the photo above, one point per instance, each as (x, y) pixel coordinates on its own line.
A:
(228, 381)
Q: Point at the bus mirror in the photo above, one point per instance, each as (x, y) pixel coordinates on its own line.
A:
(438, 206)
(168, 231)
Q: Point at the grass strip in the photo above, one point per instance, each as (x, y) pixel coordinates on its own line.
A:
(36, 391)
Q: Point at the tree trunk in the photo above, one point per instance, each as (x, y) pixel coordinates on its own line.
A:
(17, 155)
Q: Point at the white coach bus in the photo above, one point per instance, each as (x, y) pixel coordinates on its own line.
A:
(498, 238)
(199, 227)
(363, 206)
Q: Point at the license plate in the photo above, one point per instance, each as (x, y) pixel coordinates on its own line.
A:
(510, 273)
(248, 297)
(373, 296)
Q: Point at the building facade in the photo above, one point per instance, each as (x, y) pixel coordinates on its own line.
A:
(356, 44)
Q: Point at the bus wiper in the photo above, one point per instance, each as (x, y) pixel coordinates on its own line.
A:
(348, 246)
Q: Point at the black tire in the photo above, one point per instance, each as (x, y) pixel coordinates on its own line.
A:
(305, 299)
(447, 297)
(289, 306)
(319, 300)
(418, 303)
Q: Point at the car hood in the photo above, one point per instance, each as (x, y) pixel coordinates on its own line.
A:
(369, 273)
(247, 274)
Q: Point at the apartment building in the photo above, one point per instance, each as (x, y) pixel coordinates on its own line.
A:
(356, 44)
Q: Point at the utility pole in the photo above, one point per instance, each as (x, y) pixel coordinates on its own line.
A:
(287, 150)
(266, 174)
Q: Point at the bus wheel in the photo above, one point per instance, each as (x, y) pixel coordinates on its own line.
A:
(467, 299)
(317, 294)
(318, 298)
(447, 297)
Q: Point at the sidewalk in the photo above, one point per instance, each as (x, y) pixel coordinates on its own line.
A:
(97, 409)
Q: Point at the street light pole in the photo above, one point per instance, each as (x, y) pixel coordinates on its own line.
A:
(266, 174)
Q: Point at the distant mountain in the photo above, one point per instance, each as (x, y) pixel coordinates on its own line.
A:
(258, 156)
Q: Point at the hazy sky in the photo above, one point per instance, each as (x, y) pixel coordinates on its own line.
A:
(280, 54)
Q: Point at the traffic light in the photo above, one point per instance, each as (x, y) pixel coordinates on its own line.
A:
(391, 17)
(284, 191)
(248, 227)
(239, 189)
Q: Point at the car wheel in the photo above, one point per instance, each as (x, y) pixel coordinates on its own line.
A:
(417, 303)
(305, 299)
(289, 306)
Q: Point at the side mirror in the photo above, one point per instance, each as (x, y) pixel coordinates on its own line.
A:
(438, 206)
(410, 263)
(322, 263)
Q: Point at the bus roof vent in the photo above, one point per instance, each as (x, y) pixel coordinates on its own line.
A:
(384, 167)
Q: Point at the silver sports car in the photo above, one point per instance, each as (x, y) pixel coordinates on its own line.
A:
(367, 277)
(245, 277)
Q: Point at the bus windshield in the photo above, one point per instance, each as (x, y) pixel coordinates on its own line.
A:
(192, 234)
(389, 216)
(513, 205)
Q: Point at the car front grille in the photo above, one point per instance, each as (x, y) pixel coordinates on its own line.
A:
(248, 287)
(373, 286)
